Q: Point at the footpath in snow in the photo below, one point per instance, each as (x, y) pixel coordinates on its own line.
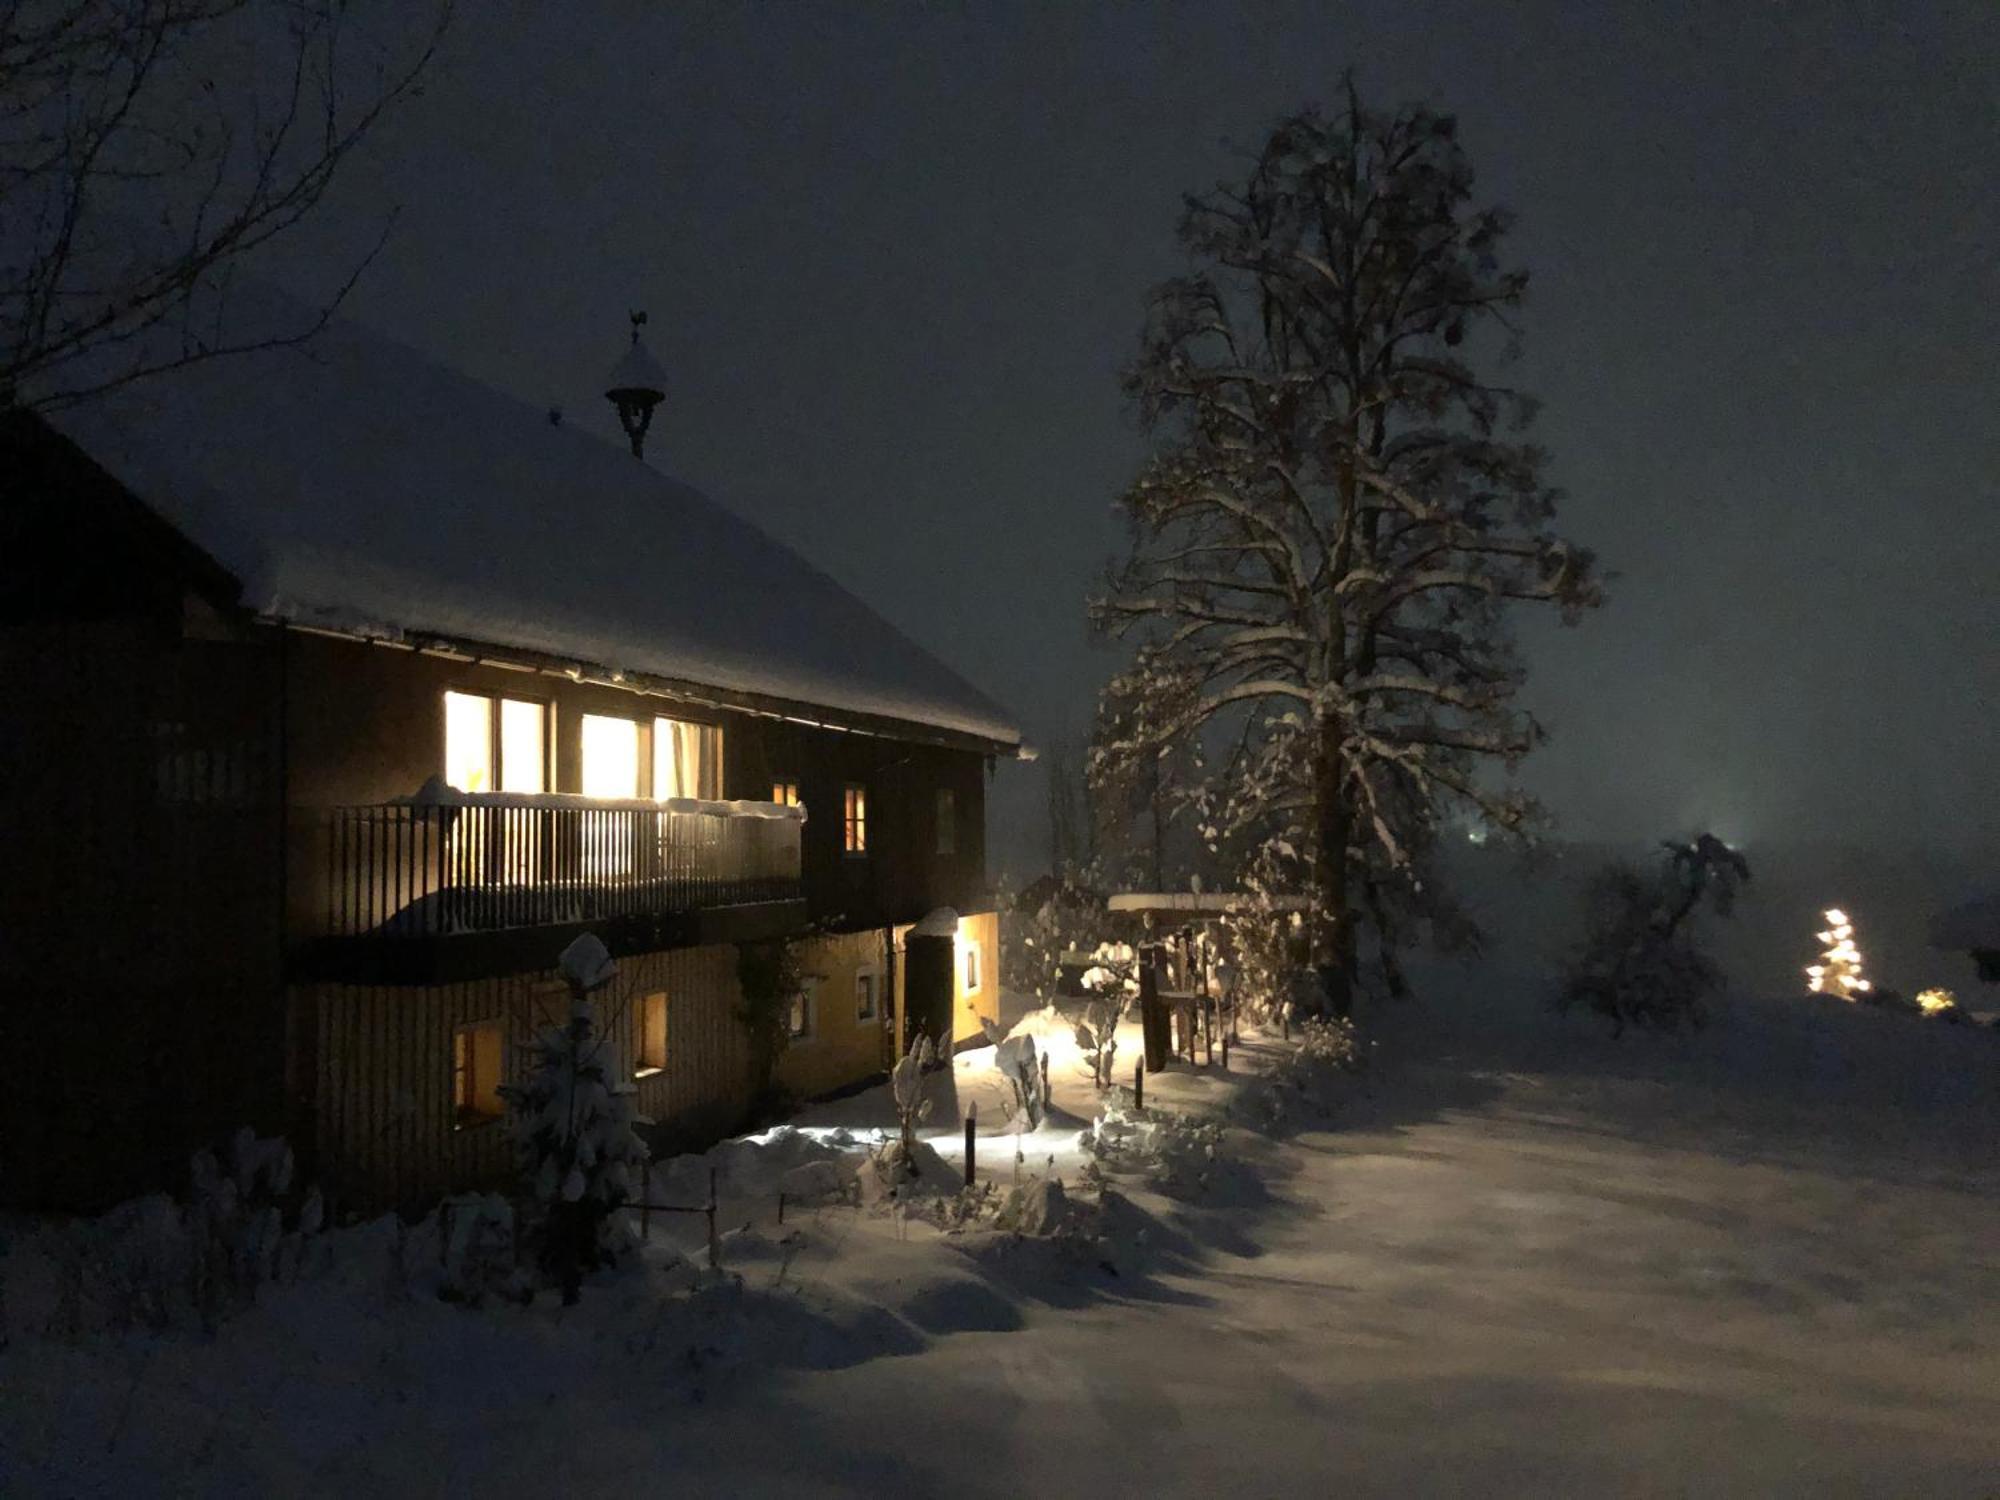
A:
(1519, 1258)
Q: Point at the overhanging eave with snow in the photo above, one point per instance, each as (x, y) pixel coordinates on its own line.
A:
(354, 486)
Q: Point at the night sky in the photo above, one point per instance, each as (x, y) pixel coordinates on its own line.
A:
(894, 260)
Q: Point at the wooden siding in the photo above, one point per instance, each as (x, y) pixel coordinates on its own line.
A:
(140, 952)
(383, 1068)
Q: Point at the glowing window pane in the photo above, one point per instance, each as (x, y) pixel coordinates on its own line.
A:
(523, 746)
(468, 742)
(610, 756)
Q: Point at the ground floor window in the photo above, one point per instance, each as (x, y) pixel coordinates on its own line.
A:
(799, 1022)
(969, 963)
(785, 793)
(867, 990)
(477, 1056)
(652, 1033)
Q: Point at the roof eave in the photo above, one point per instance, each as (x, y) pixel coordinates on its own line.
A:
(682, 690)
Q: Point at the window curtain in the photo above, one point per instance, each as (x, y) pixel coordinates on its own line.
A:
(687, 760)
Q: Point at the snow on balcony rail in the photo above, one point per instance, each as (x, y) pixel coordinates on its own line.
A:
(443, 861)
(1207, 903)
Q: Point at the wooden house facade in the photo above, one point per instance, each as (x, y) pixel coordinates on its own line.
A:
(289, 848)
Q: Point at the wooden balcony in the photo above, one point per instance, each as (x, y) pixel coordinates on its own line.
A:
(447, 884)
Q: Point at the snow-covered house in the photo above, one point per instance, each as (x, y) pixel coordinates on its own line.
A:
(344, 690)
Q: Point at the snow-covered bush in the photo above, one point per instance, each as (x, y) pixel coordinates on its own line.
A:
(1040, 1208)
(912, 1108)
(1112, 984)
(1175, 1153)
(477, 1236)
(154, 1263)
(1638, 964)
(1308, 1080)
(573, 1127)
(1021, 1066)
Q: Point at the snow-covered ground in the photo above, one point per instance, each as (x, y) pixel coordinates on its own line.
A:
(1522, 1259)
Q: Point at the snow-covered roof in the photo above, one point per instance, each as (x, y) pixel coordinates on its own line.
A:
(355, 484)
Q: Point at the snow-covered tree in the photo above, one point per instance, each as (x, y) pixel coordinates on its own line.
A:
(1638, 963)
(573, 1126)
(1340, 508)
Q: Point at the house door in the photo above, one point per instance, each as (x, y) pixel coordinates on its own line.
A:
(927, 989)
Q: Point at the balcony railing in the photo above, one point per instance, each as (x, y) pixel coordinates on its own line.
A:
(447, 862)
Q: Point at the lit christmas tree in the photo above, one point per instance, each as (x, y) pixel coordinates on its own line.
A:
(1839, 970)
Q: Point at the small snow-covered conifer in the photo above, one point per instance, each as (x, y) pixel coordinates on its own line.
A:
(572, 1119)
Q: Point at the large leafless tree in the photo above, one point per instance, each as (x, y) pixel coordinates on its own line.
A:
(147, 146)
(1341, 505)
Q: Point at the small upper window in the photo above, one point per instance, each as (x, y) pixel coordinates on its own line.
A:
(970, 964)
(652, 1033)
(785, 793)
(476, 1053)
(947, 821)
(854, 820)
(866, 987)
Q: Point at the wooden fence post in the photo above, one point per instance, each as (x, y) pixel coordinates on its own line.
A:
(971, 1121)
(714, 1244)
(1139, 1085)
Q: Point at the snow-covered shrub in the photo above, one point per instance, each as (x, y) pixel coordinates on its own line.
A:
(1308, 1080)
(1638, 964)
(155, 1263)
(480, 1261)
(1040, 1207)
(1175, 1153)
(573, 1127)
(1019, 1064)
(1112, 983)
(912, 1108)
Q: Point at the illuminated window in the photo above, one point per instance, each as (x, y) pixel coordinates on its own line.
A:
(652, 1033)
(468, 742)
(854, 820)
(476, 1053)
(610, 769)
(867, 986)
(610, 756)
(495, 744)
(785, 793)
(969, 962)
(489, 752)
(687, 760)
(524, 745)
(947, 821)
(799, 1021)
